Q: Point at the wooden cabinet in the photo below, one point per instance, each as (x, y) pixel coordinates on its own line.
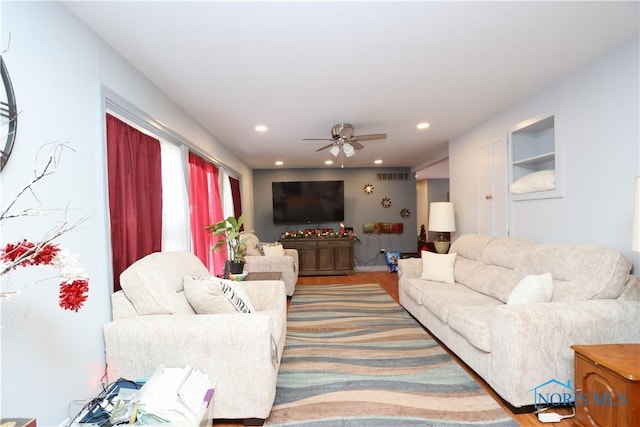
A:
(323, 257)
(607, 384)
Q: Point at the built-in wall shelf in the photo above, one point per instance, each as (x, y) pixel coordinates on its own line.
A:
(536, 160)
(535, 148)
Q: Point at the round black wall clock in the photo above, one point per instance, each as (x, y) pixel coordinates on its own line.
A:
(9, 114)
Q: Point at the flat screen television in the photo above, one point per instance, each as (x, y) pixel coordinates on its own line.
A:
(306, 202)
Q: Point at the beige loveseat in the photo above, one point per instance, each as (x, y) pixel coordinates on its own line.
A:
(517, 347)
(154, 324)
(279, 259)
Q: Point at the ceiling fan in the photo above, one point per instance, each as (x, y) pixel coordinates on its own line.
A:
(342, 138)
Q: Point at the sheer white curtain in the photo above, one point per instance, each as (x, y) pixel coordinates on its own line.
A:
(175, 199)
(227, 196)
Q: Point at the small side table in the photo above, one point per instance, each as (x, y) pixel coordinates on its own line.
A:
(263, 275)
(607, 380)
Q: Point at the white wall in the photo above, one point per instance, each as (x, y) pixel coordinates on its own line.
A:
(359, 208)
(599, 107)
(58, 68)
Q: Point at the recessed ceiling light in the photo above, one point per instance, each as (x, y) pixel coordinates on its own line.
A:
(422, 125)
(279, 163)
(261, 128)
(378, 162)
(328, 162)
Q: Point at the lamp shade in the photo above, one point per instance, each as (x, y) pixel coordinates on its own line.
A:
(348, 149)
(441, 217)
(635, 240)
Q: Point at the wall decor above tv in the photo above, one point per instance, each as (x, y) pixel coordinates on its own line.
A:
(307, 202)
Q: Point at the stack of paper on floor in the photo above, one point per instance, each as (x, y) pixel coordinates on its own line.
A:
(177, 397)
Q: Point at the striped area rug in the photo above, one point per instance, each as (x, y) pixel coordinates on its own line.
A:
(354, 357)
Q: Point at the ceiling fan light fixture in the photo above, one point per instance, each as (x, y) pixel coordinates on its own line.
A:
(344, 141)
(348, 149)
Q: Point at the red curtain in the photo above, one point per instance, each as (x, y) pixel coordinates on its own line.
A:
(235, 195)
(205, 209)
(135, 195)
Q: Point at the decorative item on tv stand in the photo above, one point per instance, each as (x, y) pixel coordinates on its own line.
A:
(442, 220)
(230, 230)
(423, 234)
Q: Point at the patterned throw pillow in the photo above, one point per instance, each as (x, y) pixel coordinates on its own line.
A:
(237, 296)
(216, 296)
(254, 248)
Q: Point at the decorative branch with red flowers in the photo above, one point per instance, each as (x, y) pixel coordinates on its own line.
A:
(75, 284)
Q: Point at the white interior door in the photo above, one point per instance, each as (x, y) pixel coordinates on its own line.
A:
(484, 206)
(491, 189)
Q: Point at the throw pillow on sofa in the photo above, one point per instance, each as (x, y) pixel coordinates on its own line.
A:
(216, 296)
(438, 267)
(275, 249)
(254, 248)
(237, 296)
(531, 289)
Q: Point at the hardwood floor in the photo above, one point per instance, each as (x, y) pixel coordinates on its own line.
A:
(389, 282)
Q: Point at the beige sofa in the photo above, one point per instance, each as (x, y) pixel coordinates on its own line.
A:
(154, 324)
(516, 348)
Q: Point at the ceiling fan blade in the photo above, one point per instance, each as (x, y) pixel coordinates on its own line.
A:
(356, 144)
(369, 137)
(317, 139)
(324, 148)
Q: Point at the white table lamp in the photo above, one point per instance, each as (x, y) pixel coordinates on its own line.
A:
(441, 220)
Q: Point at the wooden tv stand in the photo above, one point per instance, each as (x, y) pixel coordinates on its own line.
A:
(319, 256)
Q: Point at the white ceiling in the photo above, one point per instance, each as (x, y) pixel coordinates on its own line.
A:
(300, 67)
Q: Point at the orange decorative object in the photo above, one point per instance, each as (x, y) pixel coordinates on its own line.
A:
(383, 228)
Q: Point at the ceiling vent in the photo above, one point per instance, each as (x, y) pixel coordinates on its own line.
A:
(397, 176)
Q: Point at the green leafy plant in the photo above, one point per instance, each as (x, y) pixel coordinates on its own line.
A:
(231, 231)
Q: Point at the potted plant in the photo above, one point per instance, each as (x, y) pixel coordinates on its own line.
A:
(230, 230)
